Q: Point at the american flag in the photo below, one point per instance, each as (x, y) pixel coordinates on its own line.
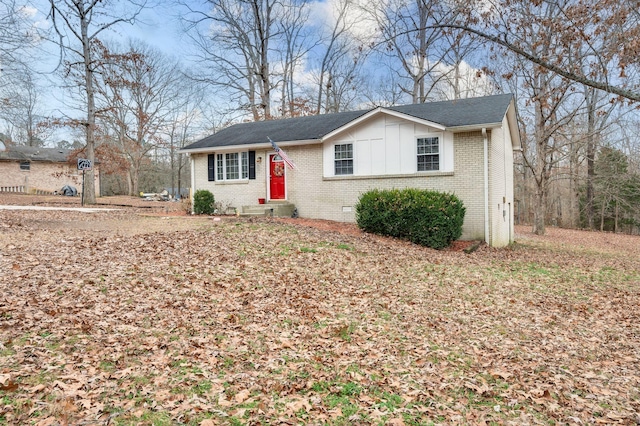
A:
(282, 154)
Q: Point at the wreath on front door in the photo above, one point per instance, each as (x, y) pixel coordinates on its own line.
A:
(278, 170)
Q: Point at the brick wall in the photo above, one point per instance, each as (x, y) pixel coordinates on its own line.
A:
(41, 177)
(233, 193)
(335, 198)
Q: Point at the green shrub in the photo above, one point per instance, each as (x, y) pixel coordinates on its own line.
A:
(429, 218)
(203, 202)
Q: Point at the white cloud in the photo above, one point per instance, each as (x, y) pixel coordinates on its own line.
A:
(471, 81)
(28, 11)
(326, 13)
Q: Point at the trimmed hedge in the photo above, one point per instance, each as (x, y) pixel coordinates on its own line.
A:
(203, 202)
(429, 218)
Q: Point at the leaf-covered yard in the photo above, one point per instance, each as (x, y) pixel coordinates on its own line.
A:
(121, 318)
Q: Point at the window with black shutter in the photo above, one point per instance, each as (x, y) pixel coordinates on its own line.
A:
(211, 167)
(232, 166)
(252, 164)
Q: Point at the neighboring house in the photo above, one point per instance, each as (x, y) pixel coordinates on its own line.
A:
(33, 170)
(464, 147)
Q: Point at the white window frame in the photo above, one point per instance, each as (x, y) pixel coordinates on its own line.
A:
(437, 154)
(224, 166)
(335, 160)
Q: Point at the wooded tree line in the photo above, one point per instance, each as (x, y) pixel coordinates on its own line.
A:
(572, 65)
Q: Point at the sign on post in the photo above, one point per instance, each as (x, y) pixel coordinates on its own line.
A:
(84, 164)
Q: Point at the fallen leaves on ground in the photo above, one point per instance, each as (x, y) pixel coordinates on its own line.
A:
(116, 318)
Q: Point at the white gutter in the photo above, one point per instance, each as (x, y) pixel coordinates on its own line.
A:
(193, 181)
(474, 127)
(248, 147)
(485, 170)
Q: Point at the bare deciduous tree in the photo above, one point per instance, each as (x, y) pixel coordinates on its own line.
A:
(297, 42)
(16, 36)
(609, 29)
(22, 110)
(136, 91)
(182, 124)
(407, 26)
(236, 40)
(78, 23)
(548, 101)
(340, 58)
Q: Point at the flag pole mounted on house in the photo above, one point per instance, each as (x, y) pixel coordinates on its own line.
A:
(282, 154)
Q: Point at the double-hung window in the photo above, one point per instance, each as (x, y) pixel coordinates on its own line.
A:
(232, 166)
(343, 159)
(429, 154)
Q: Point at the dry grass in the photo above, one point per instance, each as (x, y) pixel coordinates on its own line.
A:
(122, 318)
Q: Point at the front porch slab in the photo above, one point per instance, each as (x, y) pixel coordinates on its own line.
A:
(270, 209)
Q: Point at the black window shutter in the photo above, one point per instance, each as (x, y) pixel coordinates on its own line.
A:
(252, 164)
(212, 167)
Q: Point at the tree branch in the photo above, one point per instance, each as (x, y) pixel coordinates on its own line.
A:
(627, 94)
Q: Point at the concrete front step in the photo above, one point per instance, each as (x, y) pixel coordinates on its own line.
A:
(271, 209)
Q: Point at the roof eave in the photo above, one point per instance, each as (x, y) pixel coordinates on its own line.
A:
(473, 127)
(514, 126)
(413, 118)
(248, 147)
(512, 122)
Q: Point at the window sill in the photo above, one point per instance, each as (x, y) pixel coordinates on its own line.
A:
(393, 176)
(231, 182)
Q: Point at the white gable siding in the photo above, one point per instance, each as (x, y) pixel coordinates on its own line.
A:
(386, 145)
(408, 152)
(392, 149)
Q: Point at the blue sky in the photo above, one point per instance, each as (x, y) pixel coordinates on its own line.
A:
(159, 26)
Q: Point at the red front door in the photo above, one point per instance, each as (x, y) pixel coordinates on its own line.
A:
(276, 177)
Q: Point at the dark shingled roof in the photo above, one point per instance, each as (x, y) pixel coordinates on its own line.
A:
(31, 153)
(461, 112)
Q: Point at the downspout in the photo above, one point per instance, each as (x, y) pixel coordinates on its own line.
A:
(485, 170)
(193, 180)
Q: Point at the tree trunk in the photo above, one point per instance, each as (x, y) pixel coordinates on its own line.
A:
(129, 182)
(540, 169)
(90, 184)
(418, 79)
(540, 210)
(574, 196)
(591, 154)
(180, 175)
(135, 175)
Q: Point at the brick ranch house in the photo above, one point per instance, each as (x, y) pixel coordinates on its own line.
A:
(34, 170)
(465, 147)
